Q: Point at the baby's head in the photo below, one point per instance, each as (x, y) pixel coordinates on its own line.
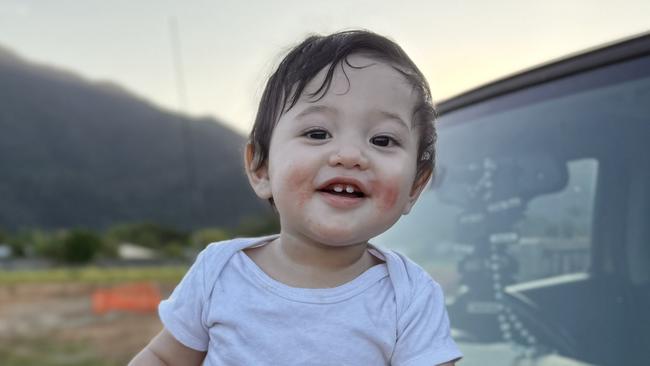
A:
(345, 121)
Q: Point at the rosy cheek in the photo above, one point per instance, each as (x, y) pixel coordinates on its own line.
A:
(387, 191)
(298, 183)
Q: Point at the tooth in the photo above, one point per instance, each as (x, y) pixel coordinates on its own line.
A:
(338, 188)
(349, 189)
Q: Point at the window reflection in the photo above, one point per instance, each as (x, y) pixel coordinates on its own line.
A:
(536, 225)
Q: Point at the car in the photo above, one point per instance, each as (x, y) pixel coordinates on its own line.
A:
(537, 221)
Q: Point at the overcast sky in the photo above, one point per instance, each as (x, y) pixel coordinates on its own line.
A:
(229, 47)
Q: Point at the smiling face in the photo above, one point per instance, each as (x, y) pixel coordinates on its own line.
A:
(341, 169)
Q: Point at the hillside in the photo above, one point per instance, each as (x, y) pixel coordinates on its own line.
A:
(80, 153)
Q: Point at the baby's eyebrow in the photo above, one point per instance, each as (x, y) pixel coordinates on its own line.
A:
(393, 116)
(318, 109)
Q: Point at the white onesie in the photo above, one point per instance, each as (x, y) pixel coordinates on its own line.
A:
(226, 305)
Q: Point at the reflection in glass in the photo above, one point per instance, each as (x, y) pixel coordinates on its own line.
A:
(536, 223)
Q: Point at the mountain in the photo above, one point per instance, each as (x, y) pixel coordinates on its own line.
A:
(77, 153)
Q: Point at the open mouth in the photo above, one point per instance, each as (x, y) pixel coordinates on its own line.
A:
(344, 190)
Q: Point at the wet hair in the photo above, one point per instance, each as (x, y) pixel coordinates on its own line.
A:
(307, 59)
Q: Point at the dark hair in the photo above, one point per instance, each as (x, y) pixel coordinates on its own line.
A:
(307, 59)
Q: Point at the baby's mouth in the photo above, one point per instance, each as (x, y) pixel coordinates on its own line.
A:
(345, 190)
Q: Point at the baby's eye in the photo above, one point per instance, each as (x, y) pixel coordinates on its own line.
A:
(317, 134)
(383, 140)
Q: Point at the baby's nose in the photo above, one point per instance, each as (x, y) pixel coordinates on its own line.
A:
(349, 157)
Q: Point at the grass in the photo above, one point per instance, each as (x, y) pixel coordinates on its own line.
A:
(49, 352)
(86, 345)
(170, 274)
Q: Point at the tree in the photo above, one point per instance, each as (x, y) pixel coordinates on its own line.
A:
(79, 246)
(164, 240)
(147, 234)
(257, 226)
(29, 242)
(203, 237)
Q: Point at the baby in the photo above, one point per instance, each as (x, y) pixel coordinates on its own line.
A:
(342, 146)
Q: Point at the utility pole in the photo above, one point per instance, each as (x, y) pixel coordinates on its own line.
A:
(194, 199)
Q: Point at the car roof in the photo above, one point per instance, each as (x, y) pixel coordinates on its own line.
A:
(617, 51)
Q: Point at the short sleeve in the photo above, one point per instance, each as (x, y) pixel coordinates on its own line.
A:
(182, 313)
(423, 333)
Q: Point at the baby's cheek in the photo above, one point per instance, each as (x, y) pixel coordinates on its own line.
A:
(299, 184)
(387, 191)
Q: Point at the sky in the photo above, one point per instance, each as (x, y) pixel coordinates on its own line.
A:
(228, 48)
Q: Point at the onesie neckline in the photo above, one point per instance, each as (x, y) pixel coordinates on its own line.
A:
(313, 295)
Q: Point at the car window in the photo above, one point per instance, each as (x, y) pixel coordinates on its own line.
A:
(536, 222)
(556, 228)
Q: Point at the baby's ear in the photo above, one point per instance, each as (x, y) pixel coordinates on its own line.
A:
(258, 178)
(418, 186)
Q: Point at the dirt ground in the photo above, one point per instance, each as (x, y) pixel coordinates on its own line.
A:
(53, 324)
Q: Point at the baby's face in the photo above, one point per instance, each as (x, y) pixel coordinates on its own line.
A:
(341, 170)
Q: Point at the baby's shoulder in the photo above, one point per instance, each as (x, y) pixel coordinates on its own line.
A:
(216, 255)
(210, 262)
(227, 248)
(407, 275)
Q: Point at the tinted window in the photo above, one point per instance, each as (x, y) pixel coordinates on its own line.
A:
(537, 222)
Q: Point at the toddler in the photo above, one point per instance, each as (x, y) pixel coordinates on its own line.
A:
(342, 146)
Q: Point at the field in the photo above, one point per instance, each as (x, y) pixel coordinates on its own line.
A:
(47, 317)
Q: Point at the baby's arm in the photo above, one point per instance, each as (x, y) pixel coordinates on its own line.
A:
(165, 350)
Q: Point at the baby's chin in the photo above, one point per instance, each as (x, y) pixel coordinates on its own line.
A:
(338, 237)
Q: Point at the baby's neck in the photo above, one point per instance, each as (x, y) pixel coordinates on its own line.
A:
(303, 253)
(310, 265)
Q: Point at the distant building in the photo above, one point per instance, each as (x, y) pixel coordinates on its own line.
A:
(5, 251)
(130, 251)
